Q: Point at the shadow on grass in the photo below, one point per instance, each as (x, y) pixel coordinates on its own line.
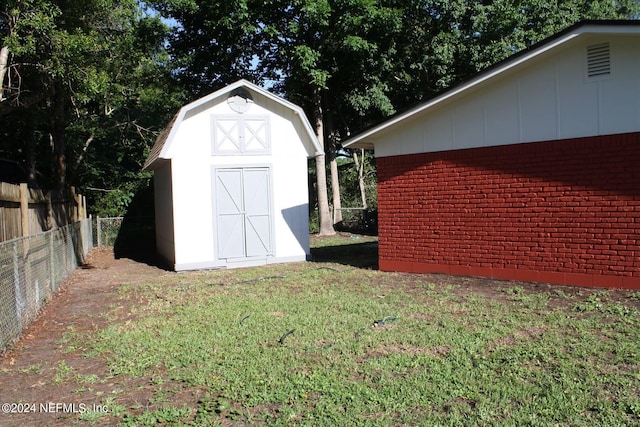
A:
(360, 255)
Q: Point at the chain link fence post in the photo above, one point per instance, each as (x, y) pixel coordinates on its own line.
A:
(17, 291)
(98, 231)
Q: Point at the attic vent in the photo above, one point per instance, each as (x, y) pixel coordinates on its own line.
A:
(598, 60)
(240, 100)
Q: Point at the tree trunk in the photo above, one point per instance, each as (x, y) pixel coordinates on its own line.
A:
(30, 150)
(57, 121)
(4, 65)
(360, 168)
(335, 188)
(326, 227)
(330, 150)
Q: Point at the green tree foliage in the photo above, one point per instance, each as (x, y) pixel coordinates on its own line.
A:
(350, 63)
(115, 130)
(442, 42)
(214, 42)
(335, 57)
(86, 86)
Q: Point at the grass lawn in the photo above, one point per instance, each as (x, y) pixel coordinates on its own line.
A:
(337, 343)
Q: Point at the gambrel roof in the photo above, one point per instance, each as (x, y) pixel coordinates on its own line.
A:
(163, 142)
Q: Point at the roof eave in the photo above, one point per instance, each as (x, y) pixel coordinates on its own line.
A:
(155, 164)
(586, 27)
(455, 90)
(367, 145)
(298, 111)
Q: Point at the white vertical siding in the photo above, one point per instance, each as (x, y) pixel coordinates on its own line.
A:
(620, 95)
(193, 220)
(469, 123)
(501, 119)
(545, 98)
(538, 104)
(577, 98)
(439, 131)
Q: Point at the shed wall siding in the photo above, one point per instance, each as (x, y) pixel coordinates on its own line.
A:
(193, 160)
(563, 212)
(193, 219)
(164, 213)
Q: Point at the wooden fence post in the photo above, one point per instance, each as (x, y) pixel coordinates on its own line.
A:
(83, 205)
(24, 209)
(50, 222)
(74, 205)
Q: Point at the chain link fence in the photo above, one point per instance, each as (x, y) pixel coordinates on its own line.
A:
(33, 268)
(106, 230)
(130, 237)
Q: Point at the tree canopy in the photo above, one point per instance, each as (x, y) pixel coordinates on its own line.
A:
(446, 41)
(370, 56)
(86, 85)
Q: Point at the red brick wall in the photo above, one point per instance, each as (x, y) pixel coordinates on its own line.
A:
(564, 212)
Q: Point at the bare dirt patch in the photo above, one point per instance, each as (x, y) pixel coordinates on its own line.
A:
(39, 369)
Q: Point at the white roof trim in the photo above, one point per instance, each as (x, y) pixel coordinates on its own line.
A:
(162, 153)
(362, 140)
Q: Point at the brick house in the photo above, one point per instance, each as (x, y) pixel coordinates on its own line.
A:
(529, 170)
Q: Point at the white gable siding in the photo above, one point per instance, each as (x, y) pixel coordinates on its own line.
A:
(501, 119)
(546, 98)
(468, 123)
(620, 95)
(438, 132)
(578, 102)
(537, 104)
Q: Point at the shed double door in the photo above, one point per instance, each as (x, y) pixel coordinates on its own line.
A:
(243, 213)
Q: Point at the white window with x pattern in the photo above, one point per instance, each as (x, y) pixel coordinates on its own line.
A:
(241, 135)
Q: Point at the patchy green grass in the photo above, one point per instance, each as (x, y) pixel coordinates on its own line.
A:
(338, 343)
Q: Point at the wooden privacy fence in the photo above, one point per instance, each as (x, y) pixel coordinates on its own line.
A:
(26, 211)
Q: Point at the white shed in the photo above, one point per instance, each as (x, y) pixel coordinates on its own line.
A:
(231, 181)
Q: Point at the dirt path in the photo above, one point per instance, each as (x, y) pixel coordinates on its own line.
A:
(54, 385)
